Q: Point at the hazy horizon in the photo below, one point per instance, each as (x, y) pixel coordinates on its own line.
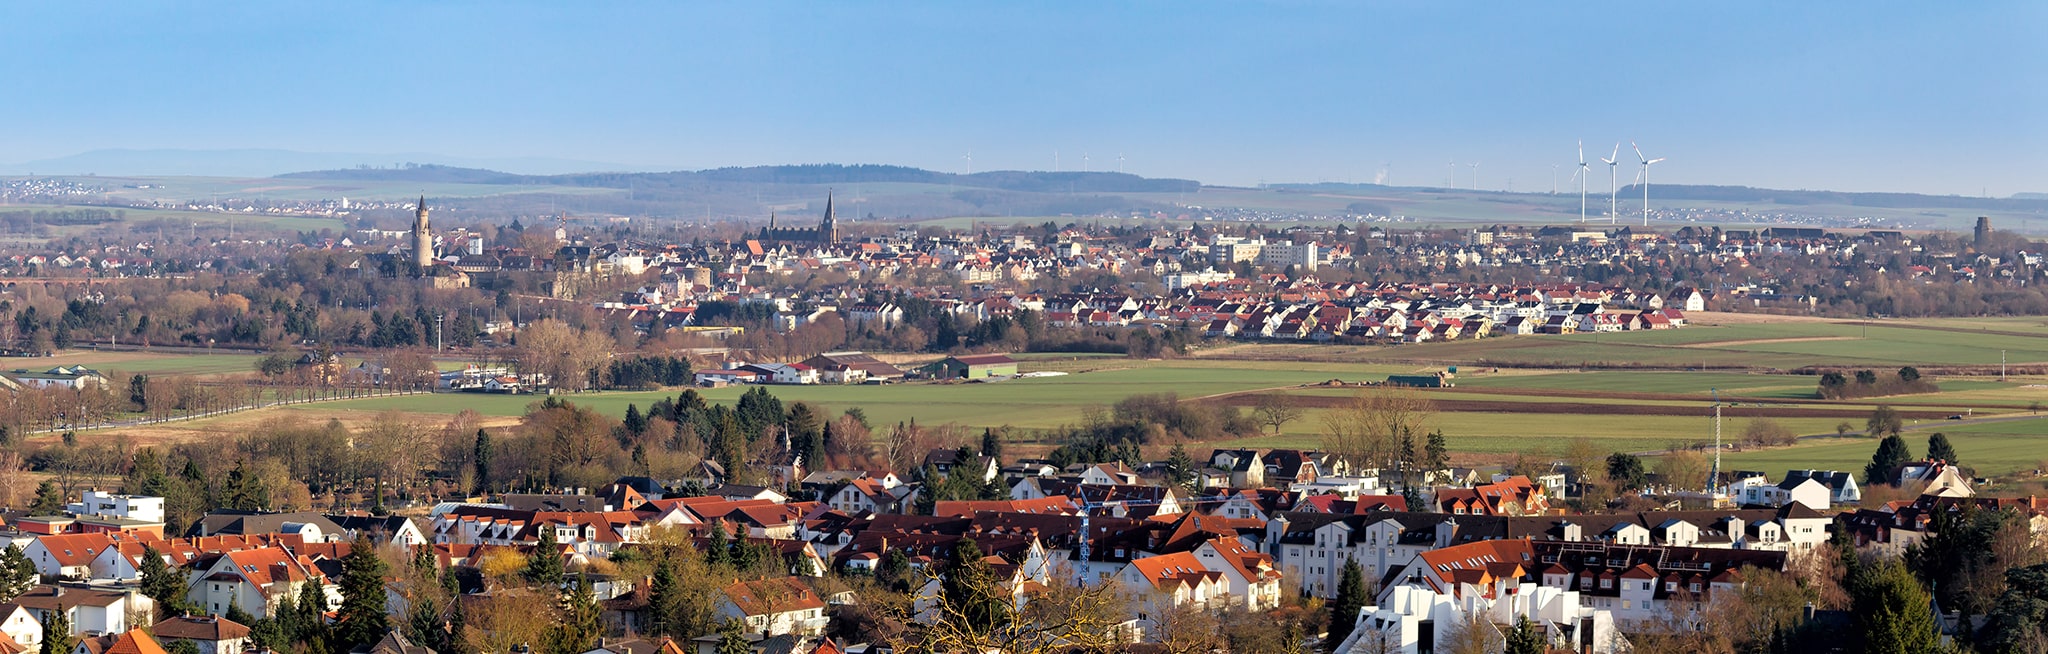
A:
(1935, 99)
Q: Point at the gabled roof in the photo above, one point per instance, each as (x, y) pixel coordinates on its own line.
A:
(771, 596)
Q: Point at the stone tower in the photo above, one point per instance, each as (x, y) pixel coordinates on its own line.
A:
(1983, 231)
(422, 238)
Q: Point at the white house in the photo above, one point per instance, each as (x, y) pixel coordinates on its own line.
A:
(20, 625)
(251, 578)
(133, 507)
(91, 610)
(773, 607)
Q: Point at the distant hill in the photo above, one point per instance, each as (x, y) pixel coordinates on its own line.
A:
(807, 174)
(1880, 200)
(268, 162)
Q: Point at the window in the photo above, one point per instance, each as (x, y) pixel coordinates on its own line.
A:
(1607, 583)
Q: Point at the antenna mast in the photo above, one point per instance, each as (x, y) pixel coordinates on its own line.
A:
(1716, 474)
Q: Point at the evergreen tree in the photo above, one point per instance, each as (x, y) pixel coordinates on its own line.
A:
(895, 571)
(732, 638)
(664, 601)
(361, 618)
(580, 623)
(245, 490)
(1938, 449)
(1436, 455)
(481, 458)
(634, 423)
(457, 641)
(544, 565)
(1892, 612)
(1626, 471)
(1180, 469)
(991, 444)
(277, 631)
(17, 574)
(717, 551)
(239, 615)
(162, 583)
(423, 623)
(1526, 638)
(970, 589)
(1891, 452)
(49, 499)
(57, 636)
(310, 622)
(1344, 608)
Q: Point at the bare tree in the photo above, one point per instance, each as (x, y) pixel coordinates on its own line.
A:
(1277, 410)
(1367, 431)
(1473, 634)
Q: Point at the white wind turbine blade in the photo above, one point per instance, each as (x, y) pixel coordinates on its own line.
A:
(1639, 153)
(1658, 159)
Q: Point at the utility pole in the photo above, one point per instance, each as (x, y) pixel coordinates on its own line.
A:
(2001, 365)
(437, 331)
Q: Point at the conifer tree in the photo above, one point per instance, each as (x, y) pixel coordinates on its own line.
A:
(1938, 449)
(544, 566)
(1345, 607)
(17, 574)
(1891, 452)
(362, 620)
(481, 458)
(162, 584)
(57, 636)
(49, 499)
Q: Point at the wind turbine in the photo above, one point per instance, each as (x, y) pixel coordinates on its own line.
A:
(1119, 162)
(1646, 179)
(1553, 179)
(1581, 175)
(970, 161)
(1613, 185)
(1475, 176)
(1454, 173)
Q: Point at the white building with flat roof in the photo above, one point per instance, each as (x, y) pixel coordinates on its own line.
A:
(133, 507)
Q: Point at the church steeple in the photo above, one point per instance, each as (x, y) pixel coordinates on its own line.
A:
(828, 230)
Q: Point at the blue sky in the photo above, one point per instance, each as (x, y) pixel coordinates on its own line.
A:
(1927, 97)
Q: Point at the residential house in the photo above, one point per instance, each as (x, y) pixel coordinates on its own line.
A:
(20, 626)
(211, 634)
(91, 610)
(774, 607)
(252, 579)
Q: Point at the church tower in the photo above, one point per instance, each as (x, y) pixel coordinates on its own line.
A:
(828, 231)
(422, 239)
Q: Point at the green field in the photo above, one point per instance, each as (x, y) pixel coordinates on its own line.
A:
(1040, 402)
(1988, 448)
(1779, 346)
(148, 363)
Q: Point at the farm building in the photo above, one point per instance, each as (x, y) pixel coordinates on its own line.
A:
(975, 366)
(851, 368)
(1438, 380)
